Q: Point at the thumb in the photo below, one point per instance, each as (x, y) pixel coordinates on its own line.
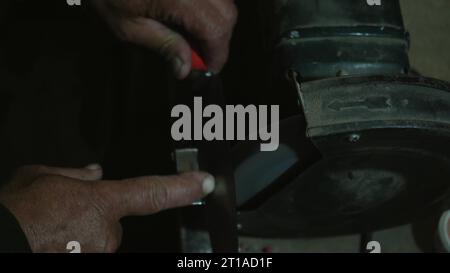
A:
(89, 173)
(161, 39)
(149, 195)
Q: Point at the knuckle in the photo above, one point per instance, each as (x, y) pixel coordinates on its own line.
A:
(167, 44)
(100, 200)
(122, 30)
(221, 25)
(159, 194)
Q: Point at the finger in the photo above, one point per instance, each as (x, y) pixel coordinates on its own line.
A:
(89, 173)
(159, 38)
(215, 52)
(149, 195)
(211, 24)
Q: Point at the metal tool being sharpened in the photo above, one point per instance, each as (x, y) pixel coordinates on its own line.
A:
(214, 157)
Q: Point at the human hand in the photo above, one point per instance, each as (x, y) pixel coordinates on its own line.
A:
(155, 24)
(55, 206)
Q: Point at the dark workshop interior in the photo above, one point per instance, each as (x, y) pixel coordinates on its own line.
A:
(72, 94)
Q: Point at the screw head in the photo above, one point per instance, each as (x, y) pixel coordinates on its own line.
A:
(295, 34)
(353, 138)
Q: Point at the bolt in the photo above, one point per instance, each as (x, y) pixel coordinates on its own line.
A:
(353, 138)
(342, 73)
(295, 34)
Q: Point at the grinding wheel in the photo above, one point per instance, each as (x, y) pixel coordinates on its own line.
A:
(367, 153)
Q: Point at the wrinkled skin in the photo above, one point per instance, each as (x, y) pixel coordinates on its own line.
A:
(156, 24)
(55, 206)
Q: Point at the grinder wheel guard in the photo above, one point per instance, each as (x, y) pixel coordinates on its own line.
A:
(368, 153)
(365, 145)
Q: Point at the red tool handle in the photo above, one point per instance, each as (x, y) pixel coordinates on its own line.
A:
(198, 63)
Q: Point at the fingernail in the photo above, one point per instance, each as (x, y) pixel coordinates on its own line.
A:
(198, 203)
(177, 67)
(444, 232)
(209, 184)
(93, 167)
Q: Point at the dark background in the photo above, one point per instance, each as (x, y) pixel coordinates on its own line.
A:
(71, 94)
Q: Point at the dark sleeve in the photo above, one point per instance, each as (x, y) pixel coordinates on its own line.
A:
(12, 238)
